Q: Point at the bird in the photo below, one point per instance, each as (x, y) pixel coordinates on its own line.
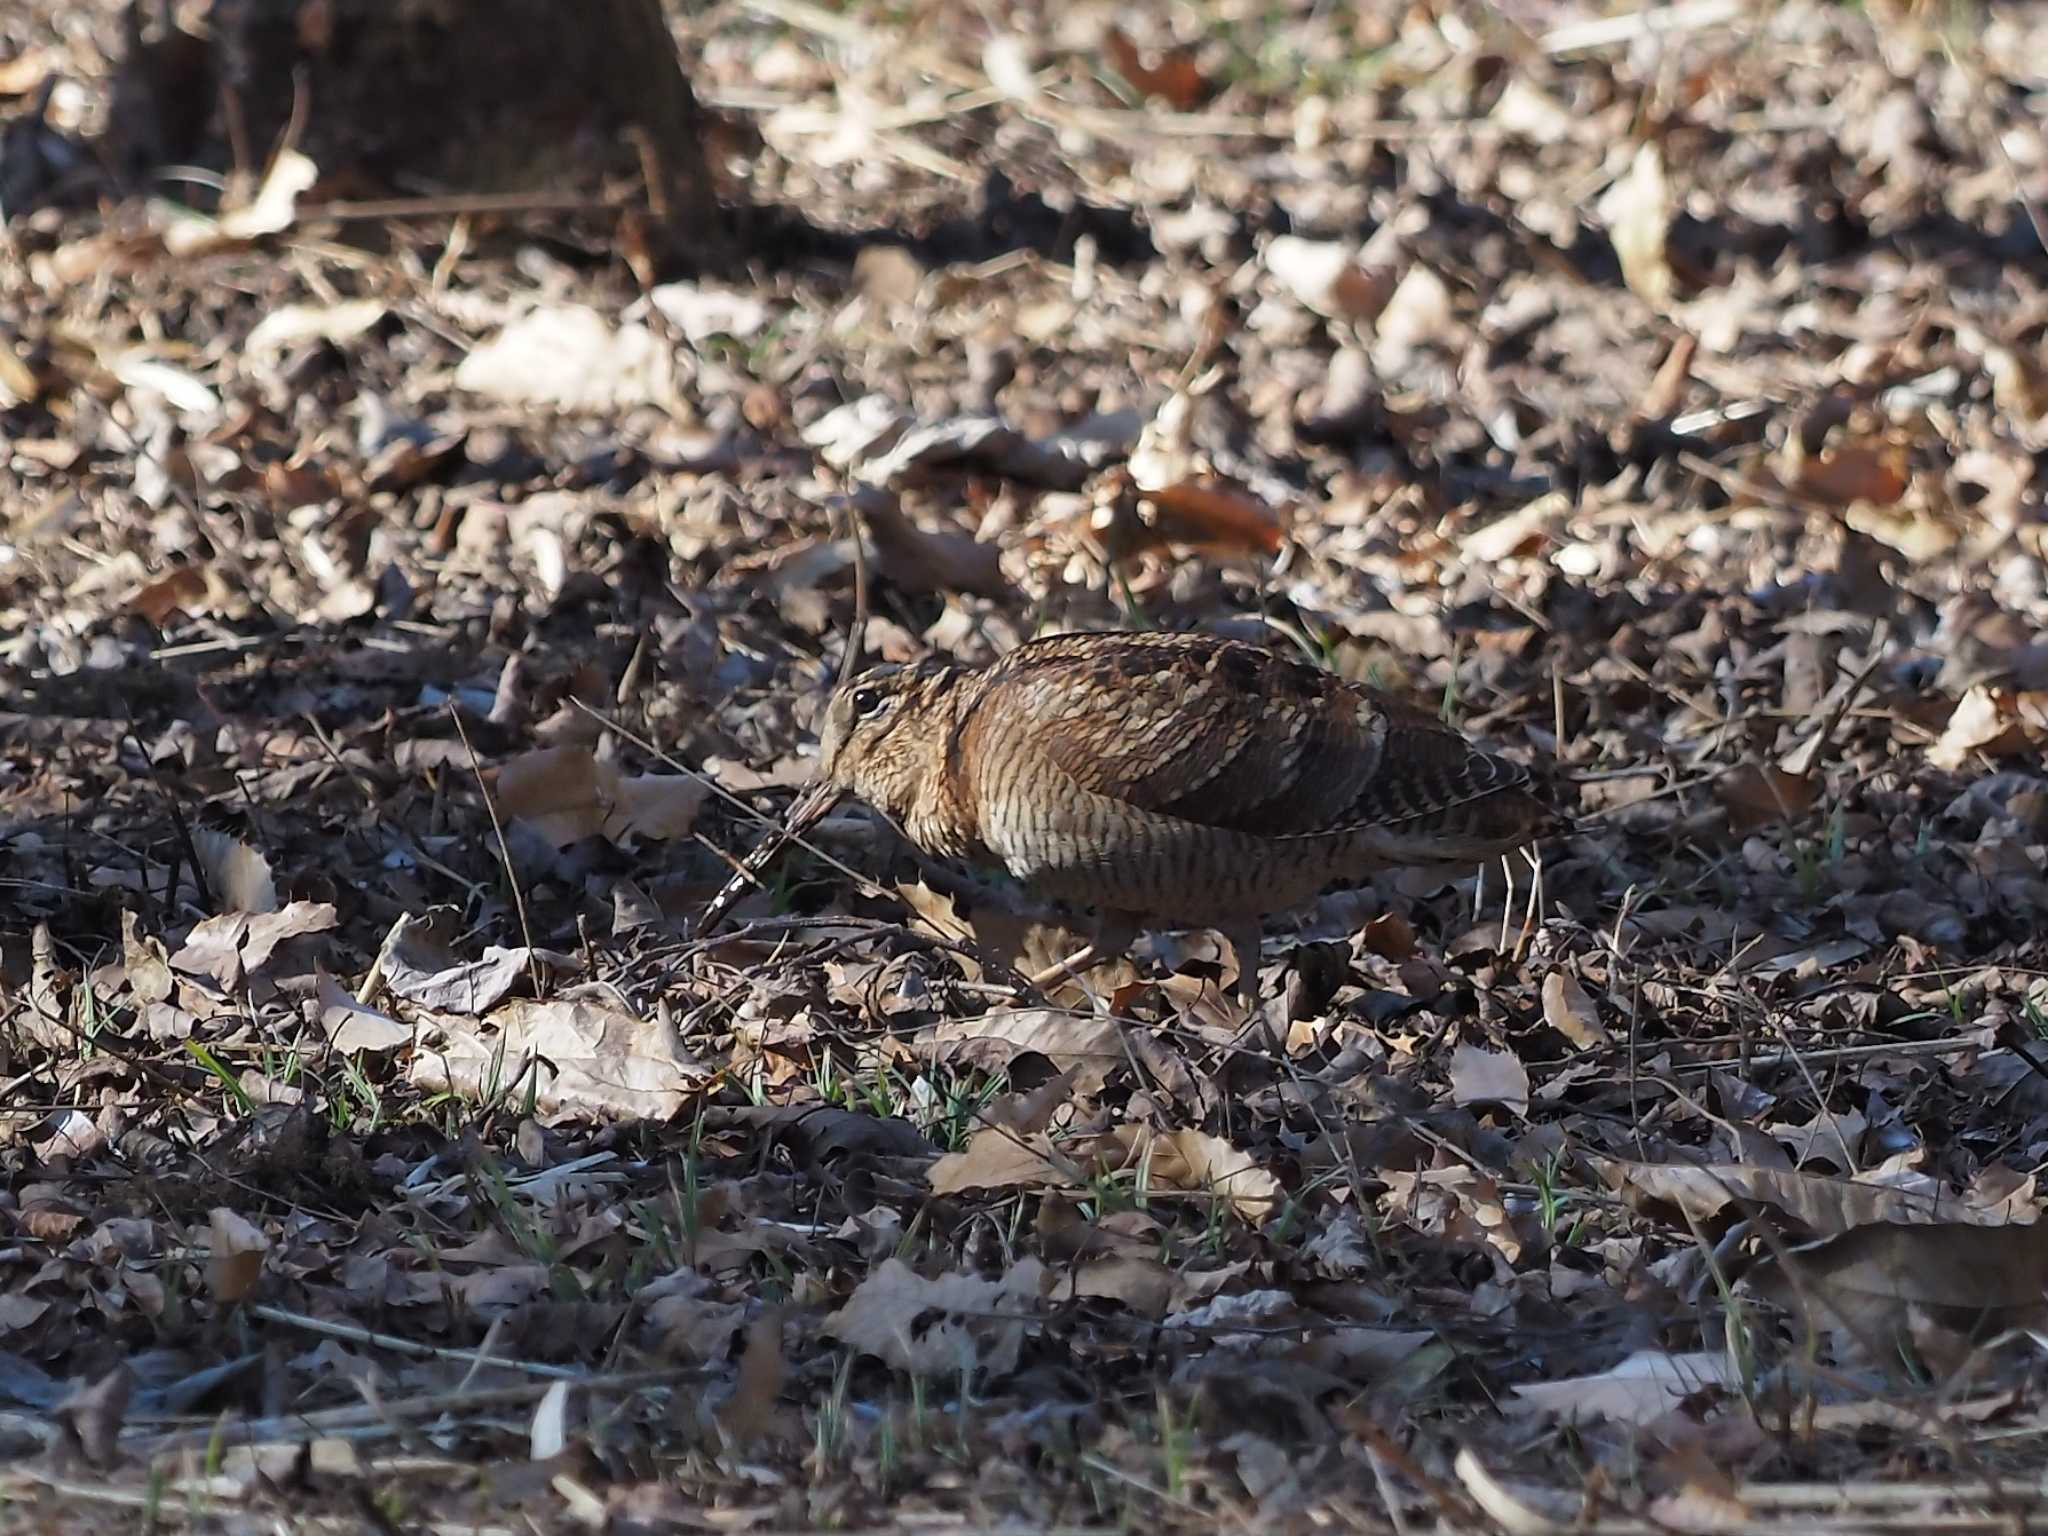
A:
(1173, 779)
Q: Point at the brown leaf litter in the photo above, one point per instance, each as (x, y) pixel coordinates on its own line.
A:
(413, 603)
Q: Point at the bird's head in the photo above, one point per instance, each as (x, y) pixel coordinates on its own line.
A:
(885, 734)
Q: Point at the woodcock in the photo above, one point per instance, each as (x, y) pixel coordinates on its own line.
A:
(1181, 779)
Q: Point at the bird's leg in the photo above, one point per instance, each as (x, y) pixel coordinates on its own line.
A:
(1248, 943)
(1114, 932)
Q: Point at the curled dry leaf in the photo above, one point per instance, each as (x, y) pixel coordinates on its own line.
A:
(1519, 1509)
(238, 876)
(420, 973)
(1645, 1386)
(272, 210)
(1210, 510)
(1991, 722)
(294, 325)
(227, 948)
(1459, 1203)
(1822, 1204)
(92, 1415)
(1570, 1011)
(1637, 211)
(996, 1157)
(547, 1433)
(1524, 531)
(1026, 1113)
(145, 962)
(235, 1263)
(975, 445)
(353, 1028)
(1876, 470)
(687, 1314)
(1198, 1160)
(190, 589)
(568, 793)
(1169, 493)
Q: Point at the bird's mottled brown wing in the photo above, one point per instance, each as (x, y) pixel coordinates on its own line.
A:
(1435, 795)
(1427, 769)
(1211, 731)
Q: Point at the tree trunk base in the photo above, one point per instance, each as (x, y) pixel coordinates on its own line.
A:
(433, 95)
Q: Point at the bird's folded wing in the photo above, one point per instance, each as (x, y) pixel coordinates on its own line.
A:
(1222, 735)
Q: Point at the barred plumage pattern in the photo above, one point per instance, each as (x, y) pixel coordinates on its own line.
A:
(1181, 778)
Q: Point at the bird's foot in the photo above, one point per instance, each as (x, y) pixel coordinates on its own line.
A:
(1114, 932)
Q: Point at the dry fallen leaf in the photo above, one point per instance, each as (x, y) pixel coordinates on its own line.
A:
(1324, 275)
(1868, 1278)
(236, 1260)
(1645, 1386)
(1637, 211)
(1480, 1076)
(1171, 74)
(92, 1415)
(1459, 1204)
(294, 325)
(1822, 1204)
(273, 209)
(420, 973)
(1208, 510)
(570, 358)
(951, 1327)
(146, 962)
(586, 1058)
(568, 793)
(237, 875)
(1763, 796)
(1876, 470)
(1139, 1281)
(1986, 722)
(352, 1028)
(751, 1409)
(1202, 1161)
(996, 1157)
(1090, 1044)
(1570, 1011)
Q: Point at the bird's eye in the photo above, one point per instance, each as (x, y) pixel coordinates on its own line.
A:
(866, 701)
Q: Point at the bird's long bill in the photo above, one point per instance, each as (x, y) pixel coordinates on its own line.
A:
(810, 809)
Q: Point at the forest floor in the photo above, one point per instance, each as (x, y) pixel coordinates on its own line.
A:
(405, 621)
